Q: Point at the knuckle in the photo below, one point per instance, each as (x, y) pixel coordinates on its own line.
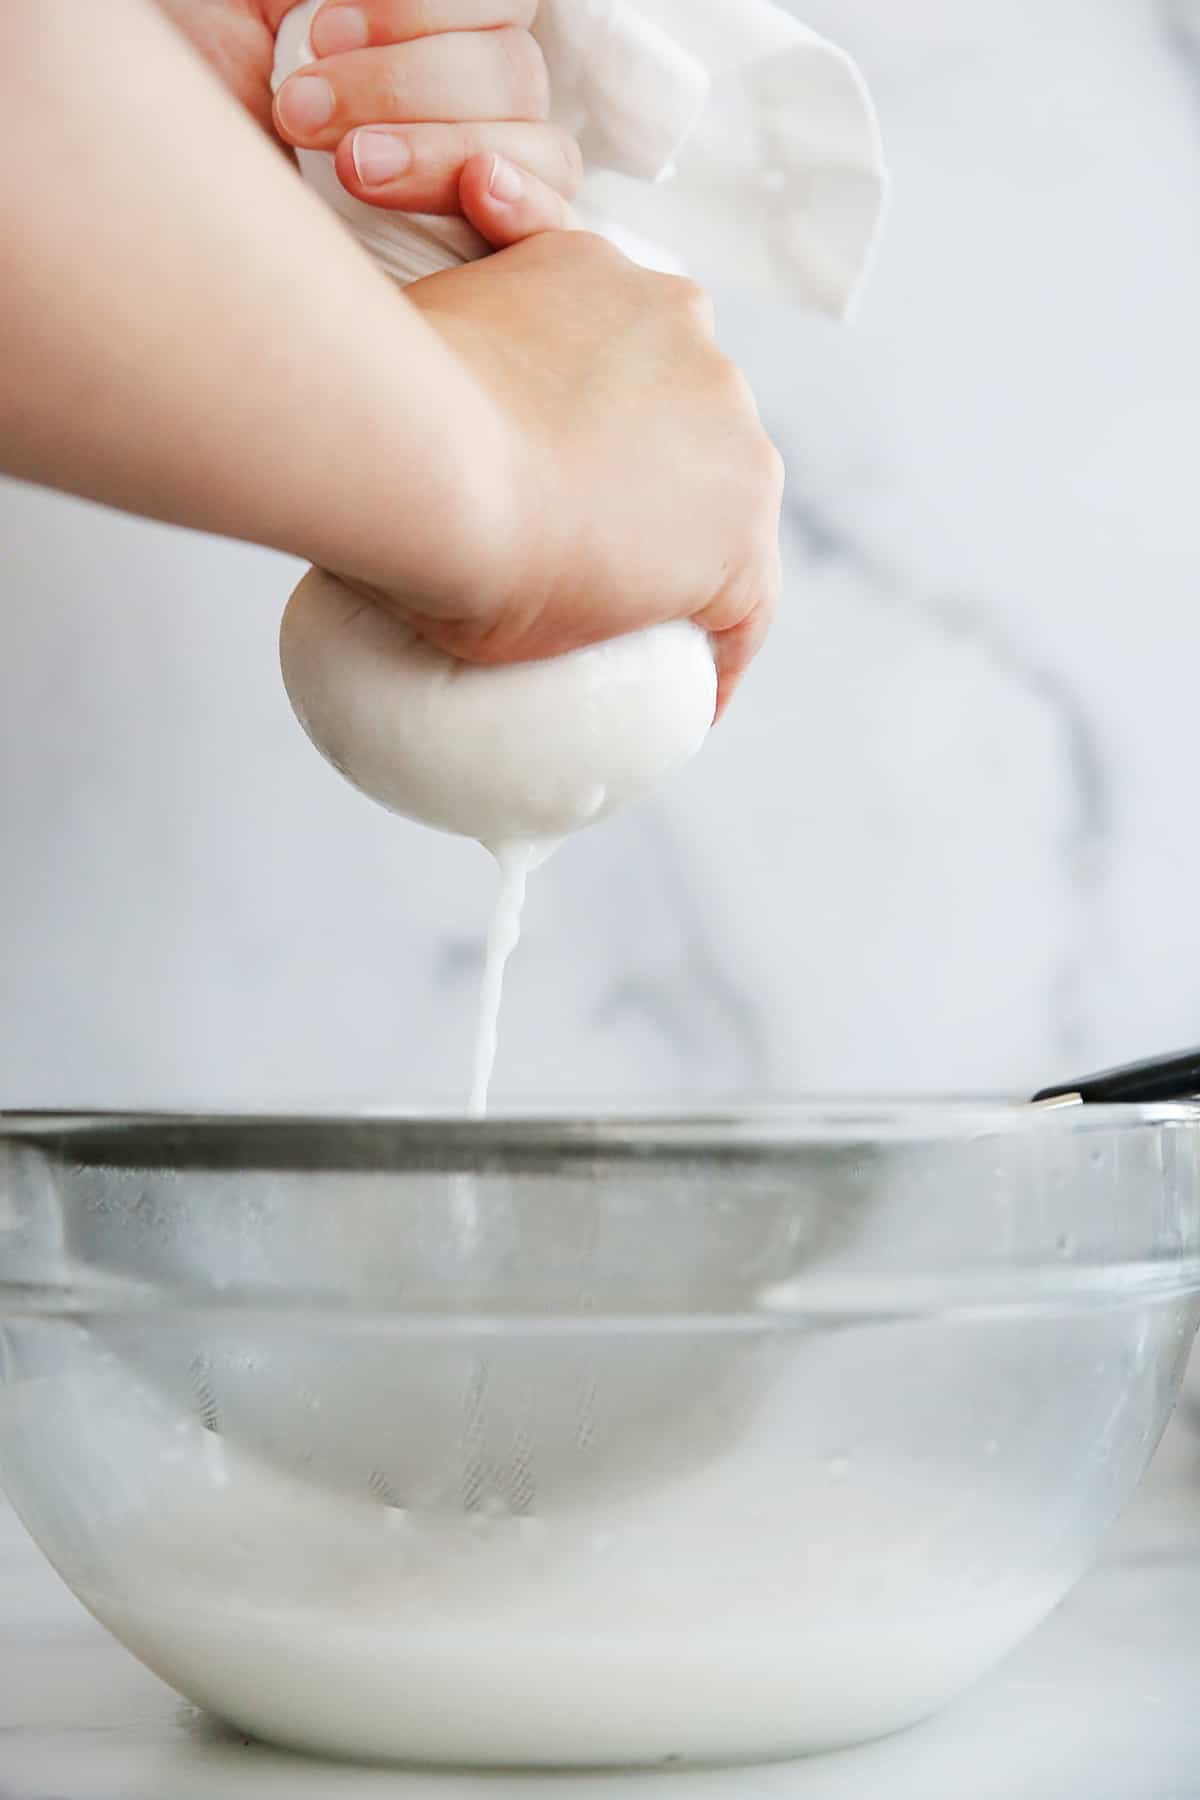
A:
(570, 161)
(772, 469)
(395, 83)
(590, 247)
(764, 499)
(686, 295)
(735, 389)
(529, 78)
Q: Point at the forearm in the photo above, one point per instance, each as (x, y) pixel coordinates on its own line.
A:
(185, 333)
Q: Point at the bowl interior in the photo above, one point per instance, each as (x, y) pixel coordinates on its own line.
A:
(632, 1439)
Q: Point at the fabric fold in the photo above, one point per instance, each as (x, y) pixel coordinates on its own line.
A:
(720, 136)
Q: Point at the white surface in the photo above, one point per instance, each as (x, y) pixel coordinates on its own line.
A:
(945, 837)
(1101, 1704)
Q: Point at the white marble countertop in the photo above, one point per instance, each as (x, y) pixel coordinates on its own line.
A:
(1103, 1703)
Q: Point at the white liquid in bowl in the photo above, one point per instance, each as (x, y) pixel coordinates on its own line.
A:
(723, 1618)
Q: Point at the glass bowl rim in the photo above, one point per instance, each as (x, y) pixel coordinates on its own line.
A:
(762, 1137)
(755, 1129)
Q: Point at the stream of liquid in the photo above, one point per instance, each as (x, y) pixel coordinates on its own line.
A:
(504, 933)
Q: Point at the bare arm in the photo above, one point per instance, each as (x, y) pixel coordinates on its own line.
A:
(530, 453)
(185, 333)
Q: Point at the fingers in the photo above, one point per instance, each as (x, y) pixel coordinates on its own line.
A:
(458, 76)
(420, 168)
(343, 25)
(436, 106)
(507, 205)
(740, 618)
(735, 648)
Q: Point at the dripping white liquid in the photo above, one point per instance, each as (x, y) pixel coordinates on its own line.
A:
(504, 933)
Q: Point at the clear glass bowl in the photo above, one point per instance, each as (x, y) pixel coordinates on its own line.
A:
(587, 1442)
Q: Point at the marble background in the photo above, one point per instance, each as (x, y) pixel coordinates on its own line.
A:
(947, 839)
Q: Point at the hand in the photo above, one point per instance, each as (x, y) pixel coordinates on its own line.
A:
(627, 478)
(645, 487)
(237, 39)
(407, 93)
(391, 64)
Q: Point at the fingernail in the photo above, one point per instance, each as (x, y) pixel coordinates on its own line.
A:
(379, 157)
(507, 183)
(305, 103)
(340, 28)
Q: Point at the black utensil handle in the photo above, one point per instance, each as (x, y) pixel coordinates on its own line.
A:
(1174, 1077)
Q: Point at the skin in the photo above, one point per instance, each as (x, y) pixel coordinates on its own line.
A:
(520, 457)
(470, 66)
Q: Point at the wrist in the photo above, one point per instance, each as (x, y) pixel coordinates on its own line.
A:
(440, 515)
(401, 479)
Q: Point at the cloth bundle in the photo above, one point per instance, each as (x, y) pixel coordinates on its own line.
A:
(720, 136)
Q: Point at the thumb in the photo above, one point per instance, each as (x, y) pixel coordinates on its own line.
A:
(506, 204)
